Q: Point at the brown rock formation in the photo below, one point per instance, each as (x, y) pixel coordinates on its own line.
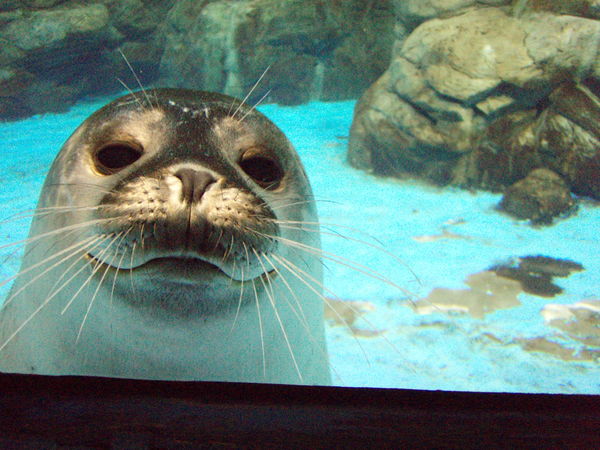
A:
(314, 49)
(483, 96)
(54, 52)
(540, 197)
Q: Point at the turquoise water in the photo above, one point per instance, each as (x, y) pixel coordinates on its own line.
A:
(397, 229)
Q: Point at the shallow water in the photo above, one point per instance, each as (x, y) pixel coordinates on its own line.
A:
(391, 345)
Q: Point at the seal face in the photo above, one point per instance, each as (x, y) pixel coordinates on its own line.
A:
(169, 243)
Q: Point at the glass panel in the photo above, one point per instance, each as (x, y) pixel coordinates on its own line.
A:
(446, 239)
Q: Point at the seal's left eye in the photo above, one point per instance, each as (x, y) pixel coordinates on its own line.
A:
(114, 157)
(265, 171)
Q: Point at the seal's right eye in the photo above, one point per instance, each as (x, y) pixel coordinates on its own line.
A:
(114, 157)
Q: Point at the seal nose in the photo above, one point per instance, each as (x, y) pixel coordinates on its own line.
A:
(193, 184)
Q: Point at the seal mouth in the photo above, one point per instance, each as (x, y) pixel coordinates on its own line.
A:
(185, 268)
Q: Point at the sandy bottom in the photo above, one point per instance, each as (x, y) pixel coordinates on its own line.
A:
(415, 239)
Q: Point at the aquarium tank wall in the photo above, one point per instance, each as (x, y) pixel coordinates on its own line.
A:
(452, 146)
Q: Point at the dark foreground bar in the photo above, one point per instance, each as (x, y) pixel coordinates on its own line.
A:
(50, 412)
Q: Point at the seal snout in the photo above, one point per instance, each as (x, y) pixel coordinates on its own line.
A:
(193, 183)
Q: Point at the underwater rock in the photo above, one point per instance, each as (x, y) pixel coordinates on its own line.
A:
(346, 313)
(562, 134)
(415, 12)
(580, 321)
(583, 8)
(488, 292)
(67, 49)
(40, 4)
(535, 273)
(40, 46)
(556, 349)
(483, 97)
(499, 286)
(47, 28)
(314, 50)
(540, 197)
(579, 327)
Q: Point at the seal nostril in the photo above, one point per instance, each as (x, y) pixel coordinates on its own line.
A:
(193, 184)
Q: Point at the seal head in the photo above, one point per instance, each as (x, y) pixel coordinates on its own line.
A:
(169, 243)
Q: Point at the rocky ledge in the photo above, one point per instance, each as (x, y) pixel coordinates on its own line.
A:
(54, 52)
(480, 94)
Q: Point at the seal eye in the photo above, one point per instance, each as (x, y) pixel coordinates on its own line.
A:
(264, 170)
(114, 157)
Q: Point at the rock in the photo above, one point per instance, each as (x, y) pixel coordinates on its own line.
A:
(580, 321)
(415, 12)
(136, 19)
(562, 134)
(43, 29)
(583, 8)
(540, 197)
(41, 4)
(313, 50)
(45, 58)
(482, 97)
(10, 5)
(487, 293)
(55, 52)
(536, 273)
(386, 137)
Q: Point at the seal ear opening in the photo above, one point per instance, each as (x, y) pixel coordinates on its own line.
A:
(112, 158)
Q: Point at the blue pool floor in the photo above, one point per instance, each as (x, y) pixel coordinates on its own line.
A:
(397, 229)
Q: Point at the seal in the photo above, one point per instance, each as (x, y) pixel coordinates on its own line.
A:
(169, 242)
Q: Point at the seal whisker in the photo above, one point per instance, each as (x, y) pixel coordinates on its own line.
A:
(255, 105)
(136, 79)
(227, 252)
(301, 316)
(271, 296)
(142, 236)
(79, 184)
(260, 328)
(250, 92)
(128, 89)
(41, 212)
(89, 278)
(100, 240)
(365, 270)
(118, 267)
(289, 205)
(292, 268)
(239, 303)
(302, 275)
(409, 295)
(79, 246)
(133, 291)
(34, 313)
(106, 269)
(298, 200)
(112, 291)
(283, 224)
(56, 231)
